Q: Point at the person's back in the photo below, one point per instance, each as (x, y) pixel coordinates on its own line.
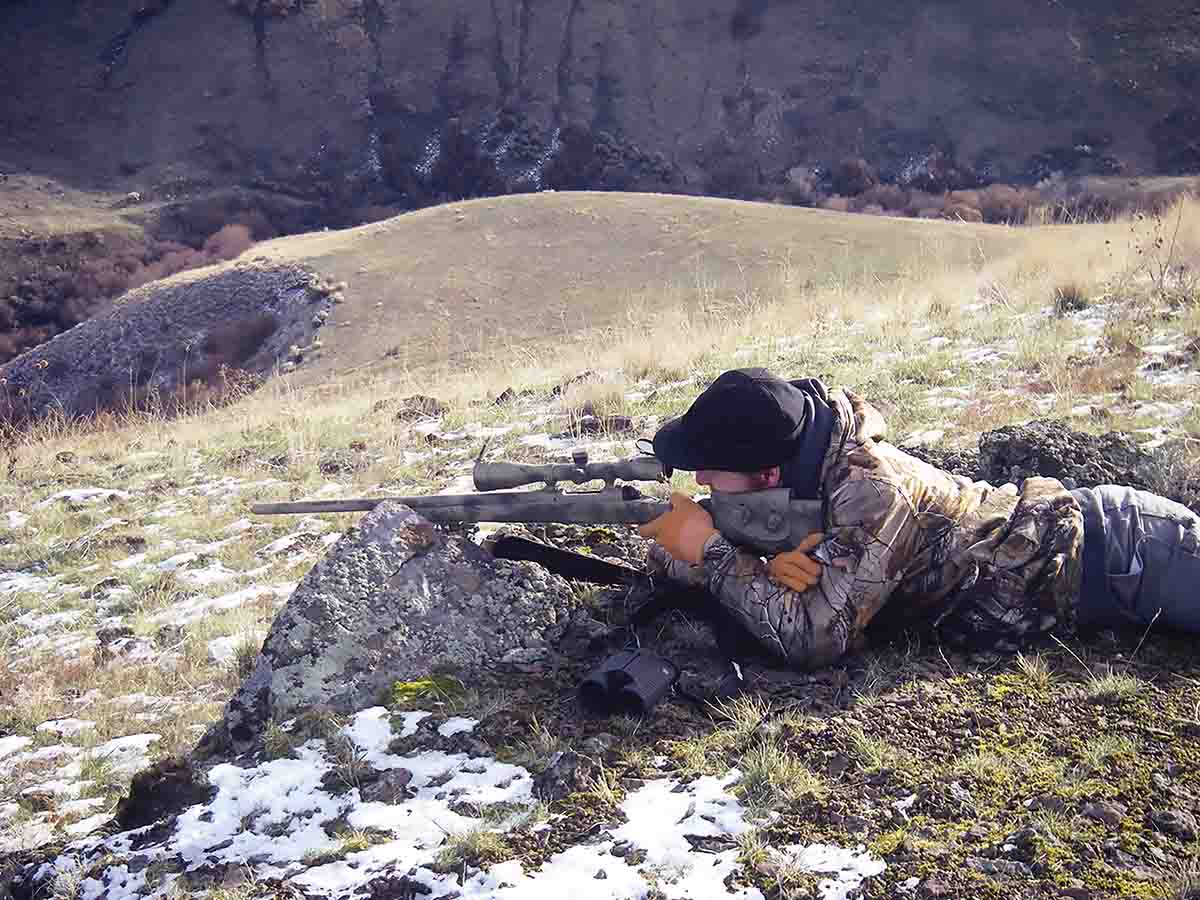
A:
(983, 561)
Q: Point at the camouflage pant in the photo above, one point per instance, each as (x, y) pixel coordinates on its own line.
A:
(1141, 560)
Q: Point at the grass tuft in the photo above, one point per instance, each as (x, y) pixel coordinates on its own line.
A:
(773, 777)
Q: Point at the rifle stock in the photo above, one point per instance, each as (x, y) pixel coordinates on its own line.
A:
(769, 521)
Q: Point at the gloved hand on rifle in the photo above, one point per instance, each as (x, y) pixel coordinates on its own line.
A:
(684, 531)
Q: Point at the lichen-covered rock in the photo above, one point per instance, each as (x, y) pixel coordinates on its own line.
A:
(394, 600)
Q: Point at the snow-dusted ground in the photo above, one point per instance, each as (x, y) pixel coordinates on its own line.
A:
(270, 817)
(236, 570)
(229, 573)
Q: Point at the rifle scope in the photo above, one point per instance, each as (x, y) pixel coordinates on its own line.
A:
(495, 476)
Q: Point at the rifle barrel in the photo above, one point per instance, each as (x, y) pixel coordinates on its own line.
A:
(581, 507)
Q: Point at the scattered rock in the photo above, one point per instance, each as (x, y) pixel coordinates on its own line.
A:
(591, 424)
(837, 764)
(398, 887)
(169, 785)
(420, 406)
(1047, 802)
(561, 777)
(390, 786)
(1127, 862)
(935, 887)
(1109, 813)
(1178, 824)
(598, 745)
(1005, 868)
(853, 177)
(559, 389)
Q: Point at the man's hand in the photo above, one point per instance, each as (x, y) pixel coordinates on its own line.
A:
(795, 569)
(683, 530)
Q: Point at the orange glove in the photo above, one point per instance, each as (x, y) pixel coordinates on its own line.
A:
(795, 569)
(683, 530)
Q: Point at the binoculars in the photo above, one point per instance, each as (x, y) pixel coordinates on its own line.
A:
(631, 683)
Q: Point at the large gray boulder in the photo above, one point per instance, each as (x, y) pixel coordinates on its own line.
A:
(395, 599)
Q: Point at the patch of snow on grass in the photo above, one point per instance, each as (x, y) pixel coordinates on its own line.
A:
(125, 755)
(66, 727)
(198, 607)
(849, 868)
(456, 725)
(83, 495)
(13, 743)
(223, 650)
(88, 825)
(12, 582)
(269, 817)
(284, 793)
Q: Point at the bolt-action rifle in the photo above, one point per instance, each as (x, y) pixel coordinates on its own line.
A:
(769, 521)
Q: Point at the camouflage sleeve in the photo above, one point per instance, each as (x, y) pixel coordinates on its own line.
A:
(873, 529)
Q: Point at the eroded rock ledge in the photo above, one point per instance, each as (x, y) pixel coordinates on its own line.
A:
(244, 316)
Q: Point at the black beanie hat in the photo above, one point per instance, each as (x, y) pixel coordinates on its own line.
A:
(745, 421)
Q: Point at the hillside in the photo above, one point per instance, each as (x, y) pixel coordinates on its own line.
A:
(473, 283)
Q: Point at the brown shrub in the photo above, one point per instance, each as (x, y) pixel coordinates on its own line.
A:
(889, 196)
(230, 241)
(1003, 203)
(853, 176)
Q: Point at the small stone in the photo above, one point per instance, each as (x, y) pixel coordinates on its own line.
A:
(1002, 867)
(391, 786)
(935, 887)
(600, 875)
(1075, 893)
(1175, 823)
(1047, 802)
(1109, 813)
(599, 744)
(837, 765)
(420, 406)
(560, 778)
(855, 824)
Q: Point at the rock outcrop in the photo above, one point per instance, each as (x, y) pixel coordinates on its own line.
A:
(244, 319)
(396, 599)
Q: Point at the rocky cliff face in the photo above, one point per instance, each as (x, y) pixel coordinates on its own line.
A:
(355, 102)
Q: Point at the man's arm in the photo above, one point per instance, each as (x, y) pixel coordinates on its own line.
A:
(868, 546)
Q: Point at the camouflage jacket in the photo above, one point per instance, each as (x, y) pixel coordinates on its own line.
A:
(906, 544)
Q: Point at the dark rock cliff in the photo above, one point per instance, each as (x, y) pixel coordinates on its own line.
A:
(355, 102)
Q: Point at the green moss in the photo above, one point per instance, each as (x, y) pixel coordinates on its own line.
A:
(437, 688)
